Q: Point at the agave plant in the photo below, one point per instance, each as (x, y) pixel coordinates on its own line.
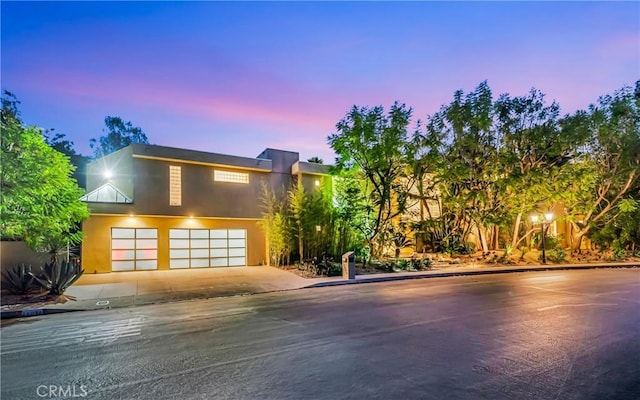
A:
(57, 277)
(18, 280)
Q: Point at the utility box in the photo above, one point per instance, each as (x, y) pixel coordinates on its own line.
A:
(349, 265)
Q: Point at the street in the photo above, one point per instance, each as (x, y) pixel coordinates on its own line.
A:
(539, 335)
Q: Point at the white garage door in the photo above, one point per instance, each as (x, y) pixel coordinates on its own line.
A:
(202, 248)
(134, 249)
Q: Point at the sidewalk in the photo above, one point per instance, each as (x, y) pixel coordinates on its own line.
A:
(126, 289)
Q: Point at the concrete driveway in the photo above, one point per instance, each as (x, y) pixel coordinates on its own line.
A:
(146, 287)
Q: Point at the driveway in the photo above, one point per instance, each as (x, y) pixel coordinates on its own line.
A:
(147, 287)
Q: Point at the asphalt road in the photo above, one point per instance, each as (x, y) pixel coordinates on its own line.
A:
(540, 335)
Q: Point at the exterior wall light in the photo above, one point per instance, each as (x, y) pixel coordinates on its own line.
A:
(107, 173)
(545, 222)
(317, 182)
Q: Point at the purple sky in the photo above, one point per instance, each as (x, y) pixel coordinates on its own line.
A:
(236, 78)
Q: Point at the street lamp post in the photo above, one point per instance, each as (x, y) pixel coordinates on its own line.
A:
(544, 221)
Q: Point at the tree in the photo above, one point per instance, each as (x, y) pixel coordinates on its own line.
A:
(59, 142)
(275, 223)
(352, 213)
(469, 174)
(609, 163)
(533, 148)
(39, 200)
(119, 134)
(374, 146)
(315, 160)
(298, 206)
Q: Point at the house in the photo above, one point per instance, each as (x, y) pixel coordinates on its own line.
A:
(155, 207)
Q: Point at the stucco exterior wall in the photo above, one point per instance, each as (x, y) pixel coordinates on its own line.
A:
(96, 244)
(201, 195)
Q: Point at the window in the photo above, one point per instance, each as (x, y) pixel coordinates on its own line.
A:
(233, 177)
(134, 249)
(175, 185)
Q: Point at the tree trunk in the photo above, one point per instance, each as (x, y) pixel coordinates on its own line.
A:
(516, 231)
(300, 246)
(577, 235)
(483, 239)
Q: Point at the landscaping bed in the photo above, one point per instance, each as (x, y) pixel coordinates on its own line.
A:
(429, 262)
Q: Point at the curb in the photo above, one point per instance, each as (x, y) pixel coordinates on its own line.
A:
(34, 312)
(469, 273)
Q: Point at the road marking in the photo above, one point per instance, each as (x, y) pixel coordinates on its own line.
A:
(556, 291)
(576, 305)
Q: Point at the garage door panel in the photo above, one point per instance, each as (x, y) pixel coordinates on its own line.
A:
(142, 233)
(123, 233)
(237, 243)
(120, 255)
(219, 262)
(199, 262)
(179, 253)
(199, 253)
(199, 234)
(123, 244)
(146, 264)
(237, 252)
(178, 244)
(179, 263)
(218, 233)
(122, 265)
(199, 244)
(146, 244)
(201, 248)
(178, 234)
(147, 254)
(237, 233)
(218, 244)
(236, 261)
(134, 249)
(218, 252)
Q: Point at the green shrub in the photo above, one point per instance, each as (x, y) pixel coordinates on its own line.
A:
(58, 277)
(18, 280)
(557, 255)
(333, 268)
(402, 265)
(618, 253)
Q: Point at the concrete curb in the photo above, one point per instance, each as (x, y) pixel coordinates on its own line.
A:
(427, 275)
(34, 312)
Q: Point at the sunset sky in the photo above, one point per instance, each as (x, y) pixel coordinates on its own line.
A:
(236, 78)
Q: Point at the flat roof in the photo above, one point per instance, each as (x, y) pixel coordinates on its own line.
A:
(201, 157)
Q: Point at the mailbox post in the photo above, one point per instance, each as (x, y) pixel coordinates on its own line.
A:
(349, 265)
